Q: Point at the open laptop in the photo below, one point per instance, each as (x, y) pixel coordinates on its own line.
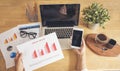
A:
(60, 18)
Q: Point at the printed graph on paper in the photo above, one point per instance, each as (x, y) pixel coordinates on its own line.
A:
(41, 51)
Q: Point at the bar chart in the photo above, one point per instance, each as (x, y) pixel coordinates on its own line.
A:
(46, 50)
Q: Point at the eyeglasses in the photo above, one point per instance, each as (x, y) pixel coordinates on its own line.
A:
(31, 35)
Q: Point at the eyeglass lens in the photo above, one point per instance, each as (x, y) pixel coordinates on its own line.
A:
(32, 35)
(23, 34)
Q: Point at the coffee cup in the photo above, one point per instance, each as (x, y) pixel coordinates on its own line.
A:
(101, 38)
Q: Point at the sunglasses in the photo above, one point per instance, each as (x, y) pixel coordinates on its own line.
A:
(31, 35)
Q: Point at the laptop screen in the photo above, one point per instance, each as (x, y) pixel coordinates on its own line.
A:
(60, 15)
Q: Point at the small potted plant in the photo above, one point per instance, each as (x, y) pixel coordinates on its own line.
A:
(95, 15)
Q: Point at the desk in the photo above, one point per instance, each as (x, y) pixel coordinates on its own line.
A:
(12, 13)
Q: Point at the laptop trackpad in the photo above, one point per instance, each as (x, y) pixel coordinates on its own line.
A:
(65, 43)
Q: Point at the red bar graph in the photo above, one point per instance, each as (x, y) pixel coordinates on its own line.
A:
(41, 52)
(54, 47)
(45, 50)
(34, 55)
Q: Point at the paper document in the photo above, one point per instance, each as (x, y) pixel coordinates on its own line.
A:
(16, 36)
(8, 42)
(29, 31)
(40, 52)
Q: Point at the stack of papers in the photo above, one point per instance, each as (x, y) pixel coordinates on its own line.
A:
(17, 35)
(37, 51)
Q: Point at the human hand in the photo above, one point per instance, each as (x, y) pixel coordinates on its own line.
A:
(18, 63)
(81, 63)
(81, 50)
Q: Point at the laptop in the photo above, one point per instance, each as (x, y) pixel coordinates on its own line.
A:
(60, 18)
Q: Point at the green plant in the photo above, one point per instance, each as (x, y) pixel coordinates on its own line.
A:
(95, 14)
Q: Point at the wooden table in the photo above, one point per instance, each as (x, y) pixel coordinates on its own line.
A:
(12, 13)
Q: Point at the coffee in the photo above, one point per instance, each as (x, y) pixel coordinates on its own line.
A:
(101, 38)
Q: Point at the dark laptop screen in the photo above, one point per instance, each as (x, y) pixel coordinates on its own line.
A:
(60, 15)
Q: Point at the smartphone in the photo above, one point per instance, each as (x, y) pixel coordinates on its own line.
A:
(77, 38)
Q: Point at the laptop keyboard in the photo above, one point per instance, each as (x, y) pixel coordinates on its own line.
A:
(61, 33)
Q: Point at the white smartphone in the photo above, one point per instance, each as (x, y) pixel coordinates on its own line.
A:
(77, 38)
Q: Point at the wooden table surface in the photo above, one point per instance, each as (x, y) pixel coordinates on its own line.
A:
(12, 13)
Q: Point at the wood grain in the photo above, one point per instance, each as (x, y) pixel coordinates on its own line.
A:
(97, 48)
(12, 13)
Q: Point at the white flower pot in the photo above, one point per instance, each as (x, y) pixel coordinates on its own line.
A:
(93, 26)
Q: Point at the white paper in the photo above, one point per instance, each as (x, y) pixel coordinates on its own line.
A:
(7, 39)
(40, 52)
(11, 38)
(32, 27)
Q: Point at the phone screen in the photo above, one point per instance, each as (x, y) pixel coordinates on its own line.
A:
(77, 38)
